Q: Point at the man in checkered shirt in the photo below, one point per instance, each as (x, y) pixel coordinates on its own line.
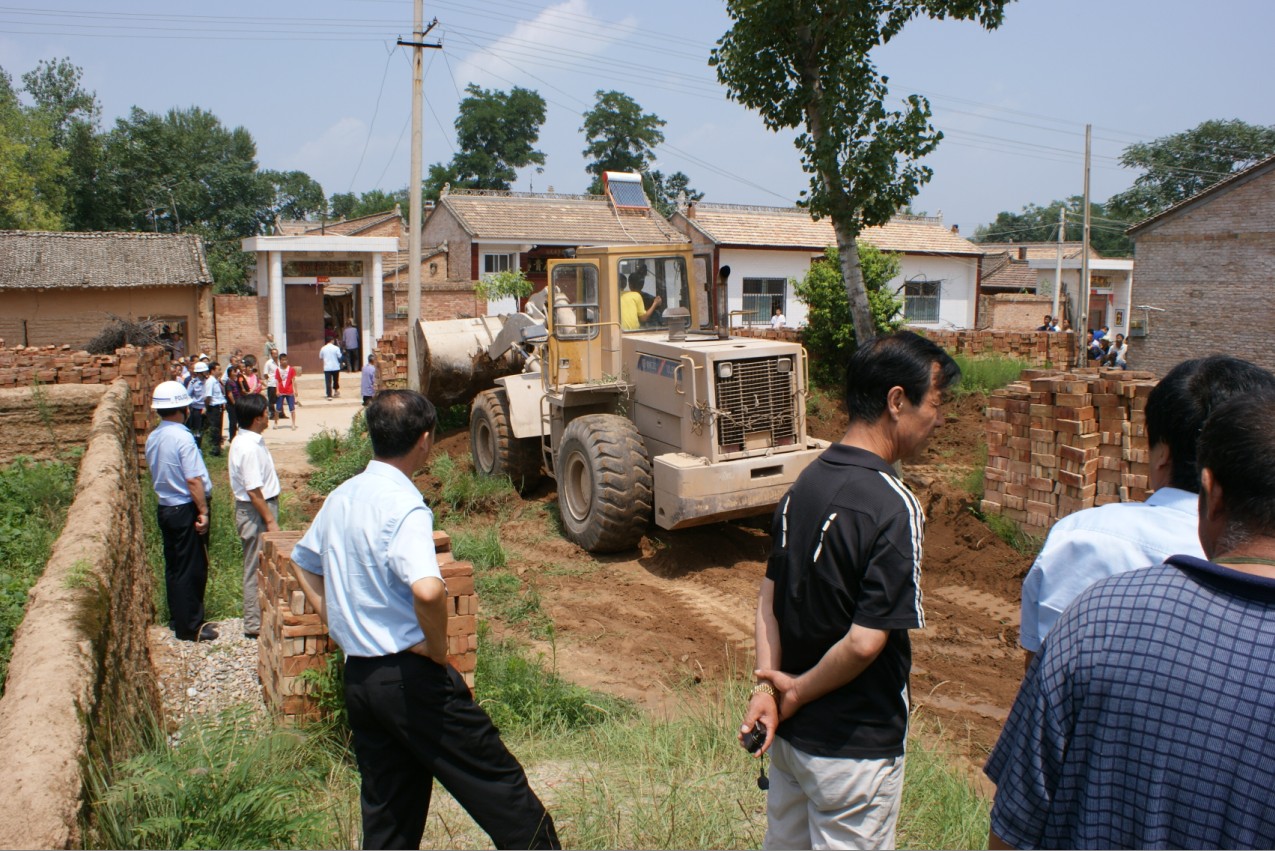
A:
(1146, 720)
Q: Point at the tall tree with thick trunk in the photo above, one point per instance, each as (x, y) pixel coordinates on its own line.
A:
(806, 64)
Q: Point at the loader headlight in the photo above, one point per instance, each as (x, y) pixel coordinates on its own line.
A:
(725, 369)
(784, 365)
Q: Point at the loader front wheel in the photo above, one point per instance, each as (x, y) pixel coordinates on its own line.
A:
(495, 450)
(604, 483)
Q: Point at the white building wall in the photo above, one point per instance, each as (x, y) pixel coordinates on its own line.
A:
(957, 294)
(758, 263)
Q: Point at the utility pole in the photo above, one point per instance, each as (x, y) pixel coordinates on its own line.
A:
(1062, 227)
(414, 194)
(1082, 355)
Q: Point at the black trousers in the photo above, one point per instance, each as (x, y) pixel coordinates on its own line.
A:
(272, 400)
(232, 420)
(195, 422)
(185, 568)
(212, 422)
(414, 720)
(331, 381)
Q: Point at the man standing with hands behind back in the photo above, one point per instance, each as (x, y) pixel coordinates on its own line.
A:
(368, 566)
(255, 485)
(842, 589)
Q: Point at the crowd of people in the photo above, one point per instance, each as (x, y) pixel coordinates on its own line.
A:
(1142, 719)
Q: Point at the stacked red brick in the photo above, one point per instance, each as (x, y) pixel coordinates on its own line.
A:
(391, 362)
(294, 640)
(141, 368)
(1036, 347)
(1059, 442)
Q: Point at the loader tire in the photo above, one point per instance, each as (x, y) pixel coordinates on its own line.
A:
(495, 450)
(604, 483)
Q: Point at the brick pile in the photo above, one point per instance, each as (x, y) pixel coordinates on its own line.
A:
(391, 362)
(141, 368)
(1040, 348)
(1059, 442)
(293, 639)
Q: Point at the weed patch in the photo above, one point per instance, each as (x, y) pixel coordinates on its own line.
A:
(1011, 533)
(338, 458)
(985, 373)
(465, 491)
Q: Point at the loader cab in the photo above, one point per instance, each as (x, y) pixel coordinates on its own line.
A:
(604, 293)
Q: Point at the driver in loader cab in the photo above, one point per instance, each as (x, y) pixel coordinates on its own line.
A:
(633, 309)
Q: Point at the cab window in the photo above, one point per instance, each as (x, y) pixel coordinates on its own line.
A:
(659, 283)
(573, 299)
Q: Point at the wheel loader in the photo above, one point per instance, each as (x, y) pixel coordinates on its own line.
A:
(611, 383)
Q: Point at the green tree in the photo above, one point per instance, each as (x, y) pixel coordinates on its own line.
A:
(620, 136)
(806, 64)
(297, 195)
(33, 171)
(496, 132)
(1040, 224)
(1178, 166)
(55, 88)
(347, 205)
(829, 334)
(663, 191)
(440, 175)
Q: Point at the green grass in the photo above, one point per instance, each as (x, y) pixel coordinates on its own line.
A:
(465, 491)
(985, 373)
(337, 458)
(453, 418)
(973, 482)
(1011, 533)
(34, 498)
(941, 808)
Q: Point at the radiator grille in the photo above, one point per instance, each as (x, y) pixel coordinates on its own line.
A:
(756, 403)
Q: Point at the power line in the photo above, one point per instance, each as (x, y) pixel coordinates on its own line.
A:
(389, 55)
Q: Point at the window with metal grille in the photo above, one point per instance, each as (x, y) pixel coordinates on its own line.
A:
(498, 263)
(921, 300)
(761, 297)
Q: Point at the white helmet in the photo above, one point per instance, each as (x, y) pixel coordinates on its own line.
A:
(202, 366)
(169, 396)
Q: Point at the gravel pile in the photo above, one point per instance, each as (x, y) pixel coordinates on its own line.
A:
(205, 677)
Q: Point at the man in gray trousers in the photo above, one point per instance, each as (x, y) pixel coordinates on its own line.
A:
(256, 489)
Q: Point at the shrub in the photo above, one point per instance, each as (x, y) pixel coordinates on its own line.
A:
(829, 334)
(463, 490)
(985, 373)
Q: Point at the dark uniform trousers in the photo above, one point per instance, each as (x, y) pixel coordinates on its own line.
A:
(185, 567)
(414, 721)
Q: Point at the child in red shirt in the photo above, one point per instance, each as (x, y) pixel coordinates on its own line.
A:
(287, 381)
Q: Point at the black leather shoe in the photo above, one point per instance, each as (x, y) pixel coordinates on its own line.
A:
(252, 636)
(207, 632)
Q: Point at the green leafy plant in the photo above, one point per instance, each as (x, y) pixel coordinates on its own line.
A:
(497, 285)
(1011, 533)
(985, 373)
(829, 333)
(464, 490)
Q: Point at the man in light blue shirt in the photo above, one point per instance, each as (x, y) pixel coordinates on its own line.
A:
(368, 566)
(1099, 542)
(368, 382)
(197, 389)
(183, 491)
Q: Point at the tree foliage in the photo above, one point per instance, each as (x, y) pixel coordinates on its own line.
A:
(829, 334)
(496, 132)
(620, 136)
(297, 195)
(1040, 224)
(664, 191)
(806, 64)
(33, 170)
(55, 87)
(1178, 166)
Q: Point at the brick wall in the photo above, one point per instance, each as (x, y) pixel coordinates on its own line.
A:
(73, 316)
(242, 324)
(80, 671)
(294, 640)
(1014, 311)
(1059, 442)
(442, 227)
(391, 362)
(1039, 348)
(1210, 269)
(141, 369)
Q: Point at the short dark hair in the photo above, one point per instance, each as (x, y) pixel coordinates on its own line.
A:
(1183, 400)
(902, 359)
(249, 360)
(248, 407)
(1237, 444)
(282, 355)
(396, 419)
(371, 358)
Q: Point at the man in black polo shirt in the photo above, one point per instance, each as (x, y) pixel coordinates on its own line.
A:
(842, 588)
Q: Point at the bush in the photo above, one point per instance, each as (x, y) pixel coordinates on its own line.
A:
(985, 373)
(463, 490)
(829, 334)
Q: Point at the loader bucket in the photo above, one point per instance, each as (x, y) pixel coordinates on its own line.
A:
(455, 365)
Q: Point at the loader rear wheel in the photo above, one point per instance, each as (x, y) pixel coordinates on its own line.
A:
(604, 483)
(495, 450)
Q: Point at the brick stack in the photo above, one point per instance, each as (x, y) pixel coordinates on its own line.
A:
(391, 362)
(1059, 442)
(142, 368)
(1041, 348)
(294, 640)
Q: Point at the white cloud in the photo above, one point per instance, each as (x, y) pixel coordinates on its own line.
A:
(332, 156)
(534, 45)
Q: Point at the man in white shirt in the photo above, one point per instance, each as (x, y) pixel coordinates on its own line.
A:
(255, 485)
(1099, 542)
(330, 354)
(778, 320)
(271, 372)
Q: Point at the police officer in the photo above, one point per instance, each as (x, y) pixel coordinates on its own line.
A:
(183, 490)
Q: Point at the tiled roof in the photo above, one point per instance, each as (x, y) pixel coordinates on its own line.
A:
(1222, 185)
(792, 227)
(1013, 275)
(402, 259)
(353, 227)
(61, 260)
(561, 219)
(1038, 250)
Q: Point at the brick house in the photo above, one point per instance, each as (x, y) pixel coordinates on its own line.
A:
(768, 247)
(493, 231)
(1206, 274)
(1033, 267)
(63, 287)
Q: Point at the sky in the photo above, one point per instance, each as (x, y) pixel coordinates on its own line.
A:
(323, 88)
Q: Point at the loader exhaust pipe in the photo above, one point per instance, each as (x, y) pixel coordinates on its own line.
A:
(723, 306)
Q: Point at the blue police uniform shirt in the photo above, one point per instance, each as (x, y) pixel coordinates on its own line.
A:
(1099, 542)
(1145, 722)
(372, 539)
(215, 390)
(196, 391)
(173, 458)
